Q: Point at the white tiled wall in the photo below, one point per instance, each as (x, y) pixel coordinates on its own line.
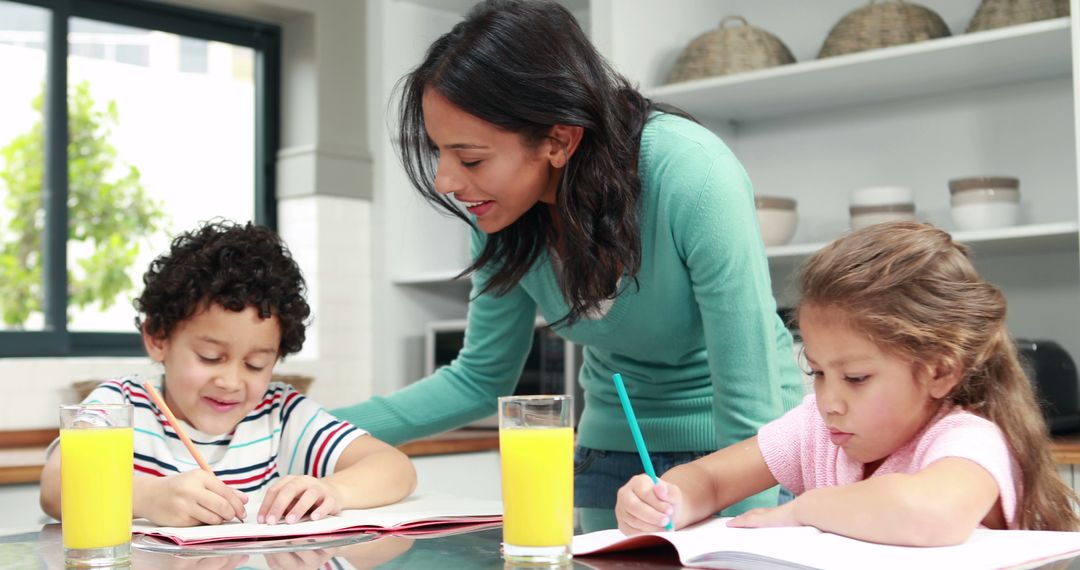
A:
(330, 239)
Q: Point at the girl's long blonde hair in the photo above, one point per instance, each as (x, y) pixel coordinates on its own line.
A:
(916, 293)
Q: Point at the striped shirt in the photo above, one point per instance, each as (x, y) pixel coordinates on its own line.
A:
(285, 434)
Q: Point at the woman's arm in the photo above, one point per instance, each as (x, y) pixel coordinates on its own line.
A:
(498, 338)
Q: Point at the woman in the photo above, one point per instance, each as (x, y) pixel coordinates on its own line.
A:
(631, 229)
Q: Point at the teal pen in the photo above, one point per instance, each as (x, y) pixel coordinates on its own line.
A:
(639, 441)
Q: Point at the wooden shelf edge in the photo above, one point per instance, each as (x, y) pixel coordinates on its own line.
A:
(20, 474)
(22, 439)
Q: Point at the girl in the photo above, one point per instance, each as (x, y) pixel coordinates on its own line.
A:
(630, 229)
(922, 425)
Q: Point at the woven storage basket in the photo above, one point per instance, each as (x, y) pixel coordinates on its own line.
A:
(881, 25)
(729, 49)
(1000, 13)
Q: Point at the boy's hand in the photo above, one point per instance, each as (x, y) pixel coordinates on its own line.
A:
(784, 515)
(189, 499)
(292, 497)
(642, 506)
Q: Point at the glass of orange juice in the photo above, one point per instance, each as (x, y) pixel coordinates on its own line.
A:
(96, 465)
(536, 447)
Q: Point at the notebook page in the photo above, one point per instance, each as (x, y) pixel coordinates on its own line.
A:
(428, 508)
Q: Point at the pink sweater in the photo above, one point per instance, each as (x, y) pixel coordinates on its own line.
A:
(800, 455)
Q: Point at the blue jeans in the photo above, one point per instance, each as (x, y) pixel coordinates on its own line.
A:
(598, 474)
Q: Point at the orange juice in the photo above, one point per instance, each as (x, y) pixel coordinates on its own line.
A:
(95, 486)
(537, 485)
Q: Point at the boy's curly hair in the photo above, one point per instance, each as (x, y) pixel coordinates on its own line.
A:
(227, 264)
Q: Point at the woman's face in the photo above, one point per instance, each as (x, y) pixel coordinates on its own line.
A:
(490, 171)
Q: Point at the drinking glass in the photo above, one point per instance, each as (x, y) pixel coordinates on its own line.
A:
(536, 446)
(96, 464)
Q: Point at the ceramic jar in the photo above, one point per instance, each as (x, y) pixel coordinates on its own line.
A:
(776, 218)
(985, 202)
(878, 204)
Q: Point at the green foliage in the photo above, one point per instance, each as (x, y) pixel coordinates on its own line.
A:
(109, 213)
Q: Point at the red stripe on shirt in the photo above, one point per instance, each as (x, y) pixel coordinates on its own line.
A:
(263, 475)
(318, 456)
(150, 471)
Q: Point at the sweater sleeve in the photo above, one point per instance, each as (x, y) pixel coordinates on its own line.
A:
(498, 335)
(782, 444)
(980, 441)
(754, 375)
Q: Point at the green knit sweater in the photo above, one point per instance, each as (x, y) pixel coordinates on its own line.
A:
(705, 358)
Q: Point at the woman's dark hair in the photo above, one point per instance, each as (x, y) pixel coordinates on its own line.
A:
(230, 265)
(526, 66)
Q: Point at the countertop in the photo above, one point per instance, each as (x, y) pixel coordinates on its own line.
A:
(22, 453)
(477, 549)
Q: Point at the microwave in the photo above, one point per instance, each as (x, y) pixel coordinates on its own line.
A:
(550, 368)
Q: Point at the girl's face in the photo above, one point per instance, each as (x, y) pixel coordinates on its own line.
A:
(490, 171)
(217, 365)
(873, 402)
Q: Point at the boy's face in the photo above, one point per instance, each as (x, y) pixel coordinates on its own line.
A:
(217, 365)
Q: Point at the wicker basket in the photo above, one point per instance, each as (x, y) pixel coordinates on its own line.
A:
(1001, 13)
(881, 25)
(1061, 7)
(729, 49)
(300, 383)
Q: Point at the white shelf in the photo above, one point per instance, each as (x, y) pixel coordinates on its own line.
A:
(1027, 52)
(1060, 236)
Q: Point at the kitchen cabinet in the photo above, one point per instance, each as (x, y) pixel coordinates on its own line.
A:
(998, 102)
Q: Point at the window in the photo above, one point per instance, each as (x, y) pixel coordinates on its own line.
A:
(122, 123)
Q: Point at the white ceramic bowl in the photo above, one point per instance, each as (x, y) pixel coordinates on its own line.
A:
(882, 195)
(860, 221)
(985, 202)
(986, 215)
(776, 218)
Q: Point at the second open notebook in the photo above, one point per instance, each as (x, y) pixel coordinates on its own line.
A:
(715, 545)
(416, 514)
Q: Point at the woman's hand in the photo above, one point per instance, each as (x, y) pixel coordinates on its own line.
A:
(187, 499)
(642, 506)
(784, 515)
(292, 497)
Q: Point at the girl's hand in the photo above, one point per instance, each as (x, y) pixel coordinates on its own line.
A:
(292, 497)
(784, 515)
(642, 506)
(188, 499)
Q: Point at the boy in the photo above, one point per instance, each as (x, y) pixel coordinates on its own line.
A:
(218, 311)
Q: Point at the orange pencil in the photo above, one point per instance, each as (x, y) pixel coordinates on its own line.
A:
(176, 426)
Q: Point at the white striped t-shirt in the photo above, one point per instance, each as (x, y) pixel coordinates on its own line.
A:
(285, 434)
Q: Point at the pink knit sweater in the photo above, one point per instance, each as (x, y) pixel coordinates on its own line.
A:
(800, 455)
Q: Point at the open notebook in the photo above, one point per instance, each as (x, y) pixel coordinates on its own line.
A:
(417, 514)
(714, 545)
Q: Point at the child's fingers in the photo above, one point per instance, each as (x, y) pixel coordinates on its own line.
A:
(286, 494)
(326, 508)
(231, 505)
(205, 514)
(639, 509)
(303, 504)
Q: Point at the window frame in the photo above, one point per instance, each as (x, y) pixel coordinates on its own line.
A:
(264, 38)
